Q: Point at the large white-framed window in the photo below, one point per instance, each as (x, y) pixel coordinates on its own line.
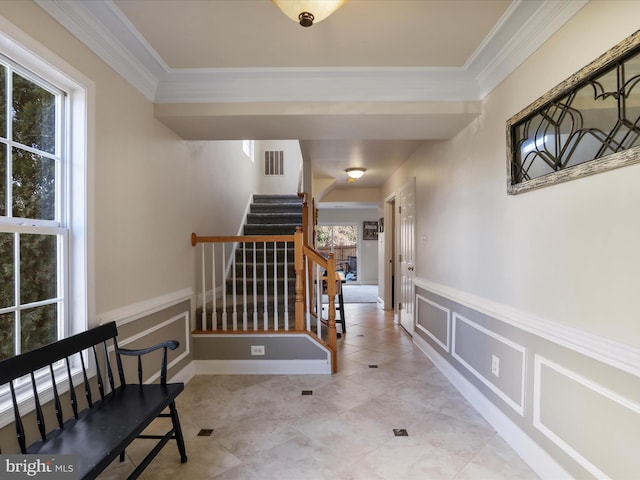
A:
(45, 171)
(34, 246)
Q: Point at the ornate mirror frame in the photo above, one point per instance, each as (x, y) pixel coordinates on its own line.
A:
(587, 124)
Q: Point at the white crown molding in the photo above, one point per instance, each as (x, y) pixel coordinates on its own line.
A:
(619, 355)
(505, 49)
(106, 31)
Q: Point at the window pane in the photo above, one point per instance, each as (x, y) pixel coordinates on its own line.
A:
(3, 102)
(33, 186)
(34, 115)
(7, 285)
(38, 327)
(345, 235)
(323, 236)
(7, 336)
(38, 268)
(3, 179)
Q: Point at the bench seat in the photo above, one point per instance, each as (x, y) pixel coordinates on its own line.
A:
(99, 434)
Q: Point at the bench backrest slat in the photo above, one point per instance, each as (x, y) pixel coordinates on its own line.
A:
(109, 370)
(57, 405)
(87, 386)
(18, 420)
(72, 390)
(119, 363)
(98, 374)
(39, 416)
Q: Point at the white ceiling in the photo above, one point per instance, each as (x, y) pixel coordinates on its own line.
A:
(362, 88)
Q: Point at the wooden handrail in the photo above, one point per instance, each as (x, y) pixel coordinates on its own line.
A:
(195, 239)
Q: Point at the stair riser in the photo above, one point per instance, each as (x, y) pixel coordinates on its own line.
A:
(289, 199)
(275, 208)
(270, 229)
(271, 218)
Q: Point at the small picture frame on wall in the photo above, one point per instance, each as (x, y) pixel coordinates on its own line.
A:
(381, 225)
(369, 230)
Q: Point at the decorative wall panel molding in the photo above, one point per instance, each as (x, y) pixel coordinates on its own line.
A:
(492, 384)
(444, 343)
(608, 411)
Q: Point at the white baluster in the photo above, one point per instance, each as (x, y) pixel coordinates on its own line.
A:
(286, 287)
(234, 314)
(265, 318)
(307, 296)
(224, 288)
(319, 301)
(214, 312)
(244, 286)
(255, 289)
(275, 286)
(204, 292)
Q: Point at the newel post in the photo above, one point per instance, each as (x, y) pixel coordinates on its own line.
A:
(298, 242)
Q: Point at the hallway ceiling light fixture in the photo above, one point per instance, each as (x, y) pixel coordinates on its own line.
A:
(308, 12)
(354, 173)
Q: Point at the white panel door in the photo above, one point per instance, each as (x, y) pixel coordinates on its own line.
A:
(406, 254)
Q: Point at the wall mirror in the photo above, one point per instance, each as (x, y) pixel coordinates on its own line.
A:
(588, 124)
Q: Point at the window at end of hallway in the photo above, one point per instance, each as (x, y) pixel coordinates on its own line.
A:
(248, 147)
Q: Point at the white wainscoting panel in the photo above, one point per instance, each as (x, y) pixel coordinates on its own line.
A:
(446, 344)
(606, 394)
(517, 406)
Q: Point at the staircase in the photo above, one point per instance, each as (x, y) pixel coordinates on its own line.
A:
(268, 215)
(274, 215)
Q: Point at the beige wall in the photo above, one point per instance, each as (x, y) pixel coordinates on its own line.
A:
(287, 183)
(548, 278)
(151, 189)
(566, 253)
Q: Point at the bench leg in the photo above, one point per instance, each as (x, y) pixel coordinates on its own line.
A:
(178, 431)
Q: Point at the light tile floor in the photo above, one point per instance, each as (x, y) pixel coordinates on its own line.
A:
(264, 428)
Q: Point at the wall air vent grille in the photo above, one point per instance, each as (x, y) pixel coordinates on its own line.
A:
(273, 162)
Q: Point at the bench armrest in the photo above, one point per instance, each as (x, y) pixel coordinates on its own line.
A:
(170, 344)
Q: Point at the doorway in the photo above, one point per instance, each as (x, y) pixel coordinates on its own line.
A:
(406, 255)
(342, 241)
(388, 267)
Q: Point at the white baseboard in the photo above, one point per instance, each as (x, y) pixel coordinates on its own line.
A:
(262, 367)
(185, 375)
(532, 453)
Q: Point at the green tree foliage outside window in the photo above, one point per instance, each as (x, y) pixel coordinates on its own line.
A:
(29, 260)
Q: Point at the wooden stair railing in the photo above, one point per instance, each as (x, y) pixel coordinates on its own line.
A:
(247, 294)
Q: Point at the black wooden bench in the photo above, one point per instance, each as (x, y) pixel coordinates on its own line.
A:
(96, 430)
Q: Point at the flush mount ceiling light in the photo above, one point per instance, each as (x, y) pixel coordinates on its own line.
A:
(308, 12)
(355, 172)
